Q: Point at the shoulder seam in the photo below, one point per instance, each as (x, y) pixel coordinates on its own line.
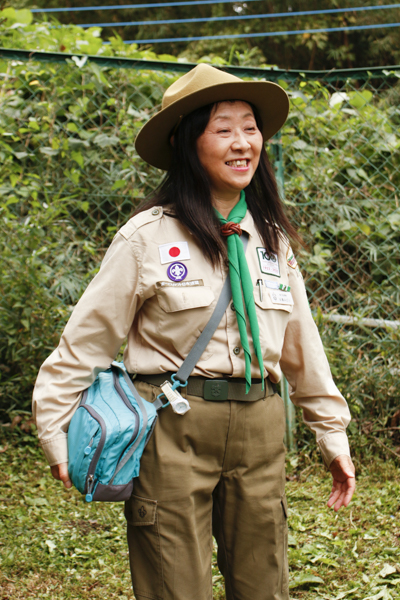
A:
(134, 227)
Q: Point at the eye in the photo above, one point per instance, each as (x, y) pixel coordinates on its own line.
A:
(223, 131)
(252, 128)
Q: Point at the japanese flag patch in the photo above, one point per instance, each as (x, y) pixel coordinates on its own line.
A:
(172, 252)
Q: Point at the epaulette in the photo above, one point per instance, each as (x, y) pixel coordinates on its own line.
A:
(144, 218)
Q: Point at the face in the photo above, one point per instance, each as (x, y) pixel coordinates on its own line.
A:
(229, 148)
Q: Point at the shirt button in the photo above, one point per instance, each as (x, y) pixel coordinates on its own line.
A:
(155, 212)
(236, 350)
(233, 306)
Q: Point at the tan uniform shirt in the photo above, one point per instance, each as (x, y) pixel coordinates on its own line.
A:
(161, 307)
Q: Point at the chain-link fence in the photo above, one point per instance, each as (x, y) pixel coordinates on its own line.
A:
(70, 178)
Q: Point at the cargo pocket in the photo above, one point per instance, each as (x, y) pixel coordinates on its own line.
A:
(144, 548)
(285, 563)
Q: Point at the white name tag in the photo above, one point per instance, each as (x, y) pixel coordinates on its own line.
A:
(269, 263)
(273, 285)
(278, 297)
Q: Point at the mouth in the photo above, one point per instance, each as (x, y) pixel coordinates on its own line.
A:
(241, 164)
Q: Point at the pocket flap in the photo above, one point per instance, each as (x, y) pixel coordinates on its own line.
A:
(140, 511)
(280, 303)
(172, 299)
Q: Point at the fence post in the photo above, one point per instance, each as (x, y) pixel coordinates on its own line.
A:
(290, 442)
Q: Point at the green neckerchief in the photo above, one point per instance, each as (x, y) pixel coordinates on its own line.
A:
(241, 280)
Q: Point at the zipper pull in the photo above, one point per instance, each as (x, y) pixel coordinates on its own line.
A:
(90, 484)
(88, 448)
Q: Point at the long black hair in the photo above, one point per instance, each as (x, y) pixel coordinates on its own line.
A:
(186, 191)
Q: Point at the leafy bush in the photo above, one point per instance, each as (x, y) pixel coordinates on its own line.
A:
(70, 177)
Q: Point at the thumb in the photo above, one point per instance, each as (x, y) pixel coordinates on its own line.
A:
(64, 475)
(60, 472)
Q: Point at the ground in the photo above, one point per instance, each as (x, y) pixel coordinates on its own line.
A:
(54, 546)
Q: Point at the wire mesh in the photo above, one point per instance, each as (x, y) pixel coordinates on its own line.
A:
(68, 131)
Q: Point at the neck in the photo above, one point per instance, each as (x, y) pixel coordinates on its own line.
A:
(225, 205)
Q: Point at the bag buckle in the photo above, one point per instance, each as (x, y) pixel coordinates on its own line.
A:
(215, 390)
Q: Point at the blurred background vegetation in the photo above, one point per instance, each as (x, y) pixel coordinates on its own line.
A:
(304, 51)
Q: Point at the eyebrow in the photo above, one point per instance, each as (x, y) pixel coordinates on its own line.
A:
(220, 117)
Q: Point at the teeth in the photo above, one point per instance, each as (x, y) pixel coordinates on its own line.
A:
(237, 163)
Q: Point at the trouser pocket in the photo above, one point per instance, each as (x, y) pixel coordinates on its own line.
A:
(144, 548)
(285, 563)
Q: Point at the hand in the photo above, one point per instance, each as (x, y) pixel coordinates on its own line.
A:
(60, 472)
(344, 482)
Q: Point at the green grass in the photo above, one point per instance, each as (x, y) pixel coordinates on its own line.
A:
(56, 547)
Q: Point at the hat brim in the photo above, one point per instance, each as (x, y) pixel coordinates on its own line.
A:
(153, 140)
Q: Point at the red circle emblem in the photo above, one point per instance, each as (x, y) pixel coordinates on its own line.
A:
(174, 252)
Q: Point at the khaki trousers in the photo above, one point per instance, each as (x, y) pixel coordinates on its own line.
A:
(218, 470)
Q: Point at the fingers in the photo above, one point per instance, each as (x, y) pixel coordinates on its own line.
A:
(342, 493)
(60, 472)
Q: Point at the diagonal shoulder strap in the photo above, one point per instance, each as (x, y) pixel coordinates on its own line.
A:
(202, 341)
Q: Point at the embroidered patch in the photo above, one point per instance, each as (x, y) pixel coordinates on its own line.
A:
(281, 297)
(177, 271)
(190, 283)
(269, 263)
(291, 260)
(170, 252)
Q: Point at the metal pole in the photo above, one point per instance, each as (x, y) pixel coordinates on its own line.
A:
(290, 442)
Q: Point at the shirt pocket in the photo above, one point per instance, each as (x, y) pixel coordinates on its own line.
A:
(272, 320)
(174, 299)
(267, 303)
(184, 314)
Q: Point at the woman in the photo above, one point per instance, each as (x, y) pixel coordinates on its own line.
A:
(220, 467)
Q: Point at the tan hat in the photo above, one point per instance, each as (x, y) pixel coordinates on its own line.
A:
(201, 86)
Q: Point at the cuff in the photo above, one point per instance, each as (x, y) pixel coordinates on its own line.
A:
(56, 449)
(332, 445)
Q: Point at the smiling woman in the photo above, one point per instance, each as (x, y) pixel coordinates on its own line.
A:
(229, 150)
(215, 223)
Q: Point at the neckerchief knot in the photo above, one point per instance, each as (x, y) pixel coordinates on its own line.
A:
(231, 228)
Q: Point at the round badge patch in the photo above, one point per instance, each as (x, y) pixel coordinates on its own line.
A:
(177, 271)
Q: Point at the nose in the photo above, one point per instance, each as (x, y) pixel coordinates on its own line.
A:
(240, 142)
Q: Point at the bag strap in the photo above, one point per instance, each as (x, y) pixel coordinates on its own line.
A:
(202, 341)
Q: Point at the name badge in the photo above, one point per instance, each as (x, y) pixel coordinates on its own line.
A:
(269, 263)
(279, 297)
(192, 283)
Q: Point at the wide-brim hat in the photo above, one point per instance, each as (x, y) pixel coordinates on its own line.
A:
(201, 86)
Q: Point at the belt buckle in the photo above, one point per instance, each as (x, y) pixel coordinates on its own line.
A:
(215, 390)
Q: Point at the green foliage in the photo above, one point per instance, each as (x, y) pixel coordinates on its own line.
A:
(54, 545)
(70, 177)
(319, 50)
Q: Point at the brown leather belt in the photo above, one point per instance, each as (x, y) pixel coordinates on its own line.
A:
(216, 390)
